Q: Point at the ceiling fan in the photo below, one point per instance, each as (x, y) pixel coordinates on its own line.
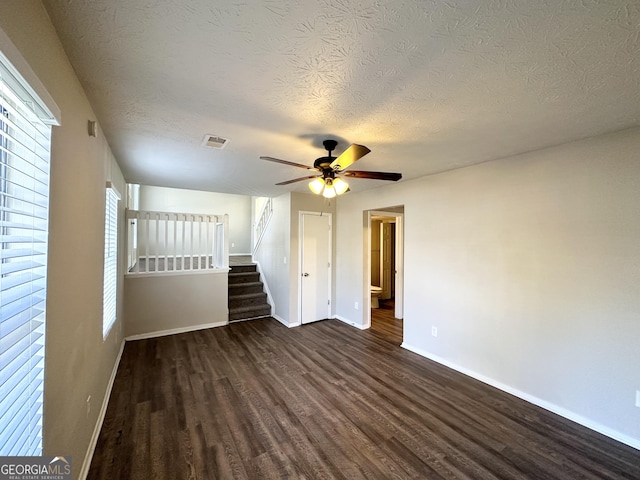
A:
(327, 182)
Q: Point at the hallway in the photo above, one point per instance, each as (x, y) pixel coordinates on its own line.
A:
(384, 323)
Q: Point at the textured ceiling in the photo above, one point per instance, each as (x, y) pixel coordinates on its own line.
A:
(427, 85)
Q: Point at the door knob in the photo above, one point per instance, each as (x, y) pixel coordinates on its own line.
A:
(305, 274)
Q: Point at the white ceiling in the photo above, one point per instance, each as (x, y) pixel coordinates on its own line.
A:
(427, 85)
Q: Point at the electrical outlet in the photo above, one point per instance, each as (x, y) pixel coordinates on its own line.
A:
(434, 331)
(233, 244)
(637, 398)
(88, 405)
(284, 260)
(356, 305)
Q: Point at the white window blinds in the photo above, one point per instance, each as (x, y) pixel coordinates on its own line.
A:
(24, 204)
(110, 260)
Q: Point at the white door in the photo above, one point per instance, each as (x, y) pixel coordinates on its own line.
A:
(315, 275)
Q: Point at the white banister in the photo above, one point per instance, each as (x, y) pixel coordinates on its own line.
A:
(164, 251)
(261, 224)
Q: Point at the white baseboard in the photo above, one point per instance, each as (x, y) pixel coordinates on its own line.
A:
(173, 331)
(284, 322)
(265, 285)
(563, 412)
(239, 254)
(86, 464)
(353, 324)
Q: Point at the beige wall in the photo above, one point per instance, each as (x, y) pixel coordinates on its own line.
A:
(530, 269)
(279, 251)
(238, 207)
(78, 362)
(274, 257)
(161, 303)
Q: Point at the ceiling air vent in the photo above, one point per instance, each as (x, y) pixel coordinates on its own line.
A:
(214, 141)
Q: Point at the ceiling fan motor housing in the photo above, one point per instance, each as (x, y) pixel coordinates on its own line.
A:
(330, 145)
(323, 163)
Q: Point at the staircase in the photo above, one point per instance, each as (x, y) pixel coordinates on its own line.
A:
(246, 294)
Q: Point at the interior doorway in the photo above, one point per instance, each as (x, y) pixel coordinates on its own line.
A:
(385, 262)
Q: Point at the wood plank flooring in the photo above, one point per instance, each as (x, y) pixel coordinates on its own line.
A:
(255, 400)
(384, 322)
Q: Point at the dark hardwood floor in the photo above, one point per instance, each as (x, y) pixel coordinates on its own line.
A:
(322, 401)
(385, 324)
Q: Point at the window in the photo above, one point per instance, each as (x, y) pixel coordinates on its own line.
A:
(24, 211)
(110, 260)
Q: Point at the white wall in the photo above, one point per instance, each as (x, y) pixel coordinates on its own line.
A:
(169, 303)
(530, 269)
(238, 207)
(78, 362)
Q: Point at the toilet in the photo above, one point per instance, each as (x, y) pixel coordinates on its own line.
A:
(375, 294)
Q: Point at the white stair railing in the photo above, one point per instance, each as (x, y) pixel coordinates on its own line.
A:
(261, 224)
(169, 242)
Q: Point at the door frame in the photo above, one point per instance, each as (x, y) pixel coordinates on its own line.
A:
(399, 291)
(301, 214)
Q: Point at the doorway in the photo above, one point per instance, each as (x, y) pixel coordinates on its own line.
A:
(385, 261)
(315, 266)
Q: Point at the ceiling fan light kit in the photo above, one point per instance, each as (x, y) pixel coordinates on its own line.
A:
(329, 191)
(340, 186)
(317, 185)
(328, 187)
(328, 184)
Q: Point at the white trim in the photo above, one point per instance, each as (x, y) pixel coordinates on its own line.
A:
(174, 331)
(110, 185)
(359, 326)
(12, 53)
(84, 471)
(285, 323)
(238, 320)
(265, 286)
(563, 412)
(177, 273)
(239, 254)
(399, 293)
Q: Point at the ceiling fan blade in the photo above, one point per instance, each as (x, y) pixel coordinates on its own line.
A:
(394, 177)
(297, 180)
(353, 153)
(285, 162)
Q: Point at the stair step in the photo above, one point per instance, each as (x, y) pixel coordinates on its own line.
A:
(245, 288)
(242, 313)
(243, 277)
(248, 299)
(243, 268)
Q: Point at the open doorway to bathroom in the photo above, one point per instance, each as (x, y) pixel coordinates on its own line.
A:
(384, 234)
